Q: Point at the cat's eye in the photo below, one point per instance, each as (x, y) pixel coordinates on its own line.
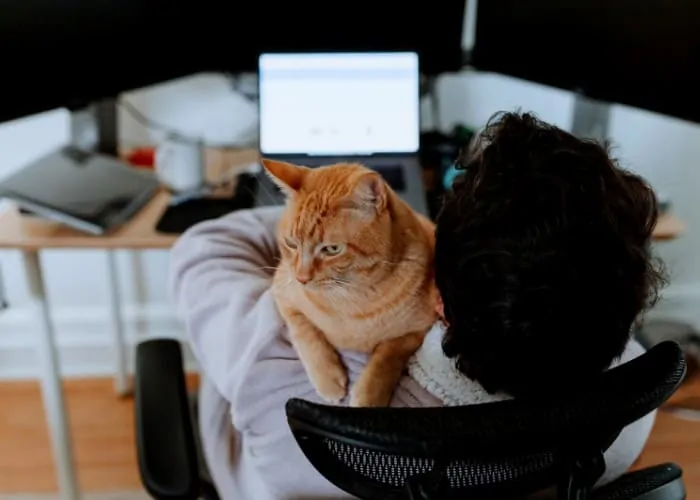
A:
(331, 250)
(291, 244)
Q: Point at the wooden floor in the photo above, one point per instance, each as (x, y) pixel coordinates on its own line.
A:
(103, 434)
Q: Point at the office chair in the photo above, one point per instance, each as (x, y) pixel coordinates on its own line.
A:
(495, 451)
(166, 442)
(508, 449)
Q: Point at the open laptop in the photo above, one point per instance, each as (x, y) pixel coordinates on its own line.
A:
(319, 109)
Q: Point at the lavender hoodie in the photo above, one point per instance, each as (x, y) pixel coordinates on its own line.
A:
(220, 276)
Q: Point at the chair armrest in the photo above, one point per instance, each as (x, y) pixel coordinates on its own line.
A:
(165, 443)
(659, 482)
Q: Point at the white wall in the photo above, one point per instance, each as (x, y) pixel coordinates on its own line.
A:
(662, 149)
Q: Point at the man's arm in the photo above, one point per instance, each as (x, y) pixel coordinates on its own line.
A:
(221, 271)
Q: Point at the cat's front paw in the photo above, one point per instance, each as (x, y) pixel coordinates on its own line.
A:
(332, 383)
(366, 396)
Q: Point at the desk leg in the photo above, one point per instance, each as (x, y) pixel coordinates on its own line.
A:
(51, 387)
(121, 381)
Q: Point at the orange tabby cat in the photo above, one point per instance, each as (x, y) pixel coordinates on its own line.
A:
(355, 274)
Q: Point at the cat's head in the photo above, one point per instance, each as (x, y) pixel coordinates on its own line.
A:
(336, 228)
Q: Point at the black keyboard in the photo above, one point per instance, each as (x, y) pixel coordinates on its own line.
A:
(178, 218)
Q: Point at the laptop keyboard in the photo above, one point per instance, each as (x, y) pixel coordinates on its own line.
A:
(392, 173)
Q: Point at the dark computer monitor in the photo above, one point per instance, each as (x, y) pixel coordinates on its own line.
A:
(74, 52)
(641, 54)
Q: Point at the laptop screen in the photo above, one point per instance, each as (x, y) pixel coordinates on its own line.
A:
(339, 104)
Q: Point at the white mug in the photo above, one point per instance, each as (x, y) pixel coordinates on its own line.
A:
(179, 164)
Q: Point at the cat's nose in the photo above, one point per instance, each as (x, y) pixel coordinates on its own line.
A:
(303, 278)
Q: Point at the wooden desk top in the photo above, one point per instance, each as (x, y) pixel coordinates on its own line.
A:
(669, 227)
(33, 233)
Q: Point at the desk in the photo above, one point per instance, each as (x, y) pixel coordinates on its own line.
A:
(668, 228)
(30, 235)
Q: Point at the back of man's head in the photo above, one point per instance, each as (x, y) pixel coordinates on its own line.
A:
(543, 258)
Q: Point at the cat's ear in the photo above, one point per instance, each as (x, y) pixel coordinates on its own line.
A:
(370, 193)
(286, 175)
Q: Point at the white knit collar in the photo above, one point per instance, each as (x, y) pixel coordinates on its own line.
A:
(438, 374)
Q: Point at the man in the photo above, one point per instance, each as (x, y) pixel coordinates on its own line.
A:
(542, 263)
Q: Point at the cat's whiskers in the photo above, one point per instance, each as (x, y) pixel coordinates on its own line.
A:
(346, 295)
(353, 287)
(418, 261)
(288, 277)
(267, 268)
(340, 281)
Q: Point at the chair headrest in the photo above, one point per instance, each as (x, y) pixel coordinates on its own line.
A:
(611, 401)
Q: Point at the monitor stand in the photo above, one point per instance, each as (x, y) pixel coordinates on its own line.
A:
(591, 118)
(95, 127)
(429, 89)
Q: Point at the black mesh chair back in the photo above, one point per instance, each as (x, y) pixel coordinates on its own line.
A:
(489, 451)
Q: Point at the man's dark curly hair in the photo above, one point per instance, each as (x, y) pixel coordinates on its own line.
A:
(543, 258)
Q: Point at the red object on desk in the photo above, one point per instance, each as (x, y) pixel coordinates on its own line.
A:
(142, 157)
